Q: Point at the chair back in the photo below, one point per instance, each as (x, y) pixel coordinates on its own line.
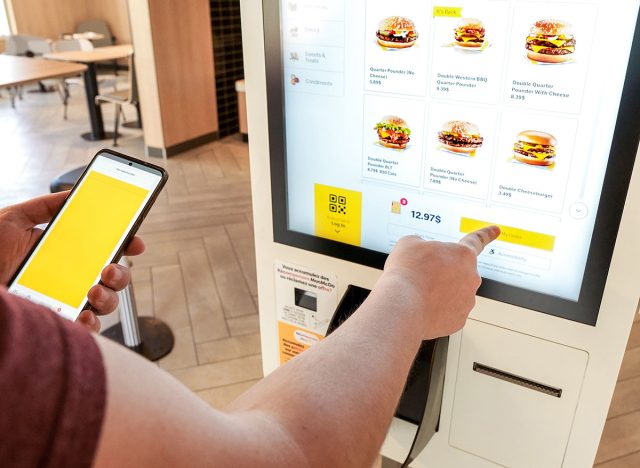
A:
(100, 27)
(18, 44)
(39, 46)
(69, 45)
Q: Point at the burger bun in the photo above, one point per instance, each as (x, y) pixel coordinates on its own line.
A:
(395, 45)
(459, 149)
(547, 58)
(551, 27)
(387, 144)
(470, 45)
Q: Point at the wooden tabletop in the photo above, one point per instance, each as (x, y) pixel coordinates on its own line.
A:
(20, 70)
(99, 54)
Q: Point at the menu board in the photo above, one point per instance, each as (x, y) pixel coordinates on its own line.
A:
(436, 118)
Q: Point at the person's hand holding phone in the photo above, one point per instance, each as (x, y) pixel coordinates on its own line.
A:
(19, 233)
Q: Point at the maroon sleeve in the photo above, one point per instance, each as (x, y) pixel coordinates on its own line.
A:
(52, 388)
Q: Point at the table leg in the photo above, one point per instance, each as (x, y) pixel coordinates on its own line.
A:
(95, 112)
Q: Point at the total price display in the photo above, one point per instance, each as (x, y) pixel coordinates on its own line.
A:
(426, 217)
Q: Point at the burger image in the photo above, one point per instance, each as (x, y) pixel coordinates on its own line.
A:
(535, 148)
(551, 41)
(470, 33)
(393, 132)
(396, 32)
(460, 137)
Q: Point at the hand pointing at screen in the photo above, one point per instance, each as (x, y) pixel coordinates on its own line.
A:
(19, 233)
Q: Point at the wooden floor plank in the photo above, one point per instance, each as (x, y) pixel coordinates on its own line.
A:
(621, 437)
(171, 307)
(241, 236)
(232, 286)
(207, 316)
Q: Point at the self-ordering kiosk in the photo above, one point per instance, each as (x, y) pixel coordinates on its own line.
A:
(372, 120)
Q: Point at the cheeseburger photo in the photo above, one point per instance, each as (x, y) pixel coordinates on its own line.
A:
(393, 132)
(469, 33)
(460, 137)
(551, 41)
(396, 32)
(535, 148)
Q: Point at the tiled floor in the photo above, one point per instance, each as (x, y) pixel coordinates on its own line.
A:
(198, 273)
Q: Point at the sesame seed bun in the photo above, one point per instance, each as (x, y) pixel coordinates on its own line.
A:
(548, 58)
(399, 24)
(394, 120)
(461, 127)
(537, 138)
(551, 27)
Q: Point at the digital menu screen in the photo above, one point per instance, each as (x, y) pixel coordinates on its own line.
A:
(436, 118)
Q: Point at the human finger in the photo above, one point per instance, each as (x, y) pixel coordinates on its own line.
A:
(479, 239)
(102, 299)
(89, 320)
(115, 277)
(135, 247)
(41, 209)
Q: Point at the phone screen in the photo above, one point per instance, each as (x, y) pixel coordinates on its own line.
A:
(87, 234)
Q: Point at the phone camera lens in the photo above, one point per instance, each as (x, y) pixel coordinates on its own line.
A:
(130, 164)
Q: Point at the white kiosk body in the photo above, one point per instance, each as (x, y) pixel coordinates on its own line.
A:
(530, 378)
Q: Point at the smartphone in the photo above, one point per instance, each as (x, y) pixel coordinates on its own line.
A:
(99, 217)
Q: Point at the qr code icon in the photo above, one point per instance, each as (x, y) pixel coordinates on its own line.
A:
(338, 204)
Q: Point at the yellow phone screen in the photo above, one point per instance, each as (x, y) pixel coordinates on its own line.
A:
(84, 237)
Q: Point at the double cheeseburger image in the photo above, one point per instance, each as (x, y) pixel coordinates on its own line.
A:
(470, 33)
(535, 148)
(393, 132)
(551, 41)
(460, 137)
(396, 32)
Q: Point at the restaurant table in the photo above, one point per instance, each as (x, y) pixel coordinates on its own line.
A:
(16, 71)
(90, 58)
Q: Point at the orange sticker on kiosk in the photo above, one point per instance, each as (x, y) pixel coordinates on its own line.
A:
(512, 235)
(293, 340)
(338, 214)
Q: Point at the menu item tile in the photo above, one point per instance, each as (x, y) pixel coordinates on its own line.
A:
(468, 50)
(550, 55)
(392, 140)
(396, 47)
(534, 161)
(459, 150)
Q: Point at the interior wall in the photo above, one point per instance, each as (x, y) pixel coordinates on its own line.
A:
(49, 18)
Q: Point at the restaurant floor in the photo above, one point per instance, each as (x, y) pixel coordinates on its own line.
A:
(198, 273)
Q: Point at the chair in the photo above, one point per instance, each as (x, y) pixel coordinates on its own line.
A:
(18, 44)
(119, 98)
(100, 27)
(69, 45)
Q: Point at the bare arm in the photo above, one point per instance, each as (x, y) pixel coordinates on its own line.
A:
(331, 406)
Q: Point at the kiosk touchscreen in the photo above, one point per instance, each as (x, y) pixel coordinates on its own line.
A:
(377, 119)
(437, 118)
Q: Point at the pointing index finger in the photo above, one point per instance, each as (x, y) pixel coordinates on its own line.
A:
(479, 239)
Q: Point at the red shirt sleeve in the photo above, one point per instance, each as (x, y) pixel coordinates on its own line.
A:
(52, 388)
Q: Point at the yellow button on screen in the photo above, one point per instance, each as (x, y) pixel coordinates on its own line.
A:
(512, 235)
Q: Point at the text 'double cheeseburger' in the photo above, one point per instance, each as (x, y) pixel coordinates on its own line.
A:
(396, 32)
(551, 41)
(470, 33)
(460, 137)
(535, 148)
(393, 132)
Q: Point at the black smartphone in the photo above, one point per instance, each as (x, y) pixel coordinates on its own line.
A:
(99, 217)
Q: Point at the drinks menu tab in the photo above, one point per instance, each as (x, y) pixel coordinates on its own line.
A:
(434, 118)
